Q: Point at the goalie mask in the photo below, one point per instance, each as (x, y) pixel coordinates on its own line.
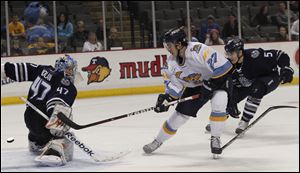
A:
(68, 66)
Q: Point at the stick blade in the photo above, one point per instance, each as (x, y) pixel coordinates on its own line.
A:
(68, 122)
(283, 106)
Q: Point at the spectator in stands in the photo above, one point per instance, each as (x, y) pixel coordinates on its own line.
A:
(64, 26)
(3, 29)
(207, 26)
(295, 30)
(113, 39)
(41, 47)
(16, 28)
(46, 22)
(65, 31)
(99, 30)
(183, 23)
(214, 38)
(16, 50)
(79, 37)
(294, 6)
(3, 48)
(92, 44)
(35, 31)
(194, 33)
(283, 34)
(230, 28)
(262, 17)
(282, 15)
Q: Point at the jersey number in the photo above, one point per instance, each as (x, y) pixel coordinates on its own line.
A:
(212, 60)
(268, 54)
(40, 86)
(62, 90)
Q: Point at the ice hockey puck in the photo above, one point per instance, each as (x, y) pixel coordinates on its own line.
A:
(10, 140)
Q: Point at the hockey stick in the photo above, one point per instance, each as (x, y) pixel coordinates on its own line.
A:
(71, 137)
(75, 126)
(254, 122)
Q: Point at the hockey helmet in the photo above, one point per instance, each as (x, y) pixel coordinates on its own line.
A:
(234, 45)
(175, 35)
(67, 65)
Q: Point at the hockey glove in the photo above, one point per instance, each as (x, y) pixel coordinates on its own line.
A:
(207, 89)
(55, 125)
(161, 100)
(286, 75)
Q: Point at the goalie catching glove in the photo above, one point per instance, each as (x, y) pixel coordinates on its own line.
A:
(56, 126)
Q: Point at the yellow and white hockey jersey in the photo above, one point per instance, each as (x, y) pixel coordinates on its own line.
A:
(201, 63)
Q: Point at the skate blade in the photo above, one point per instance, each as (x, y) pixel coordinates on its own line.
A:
(216, 156)
(241, 135)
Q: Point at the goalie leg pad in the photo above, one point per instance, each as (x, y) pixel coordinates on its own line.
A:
(57, 153)
(36, 144)
(34, 147)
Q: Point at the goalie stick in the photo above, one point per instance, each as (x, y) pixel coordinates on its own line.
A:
(75, 126)
(254, 122)
(71, 137)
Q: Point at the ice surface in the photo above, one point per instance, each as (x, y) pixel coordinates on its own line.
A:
(271, 145)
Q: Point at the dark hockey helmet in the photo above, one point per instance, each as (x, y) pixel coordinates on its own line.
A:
(234, 45)
(175, 35)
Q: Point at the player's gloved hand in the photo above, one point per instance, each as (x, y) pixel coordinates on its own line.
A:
(163, 98)
(55, 125)
(233, 110)
(207, 89)
(286, 74)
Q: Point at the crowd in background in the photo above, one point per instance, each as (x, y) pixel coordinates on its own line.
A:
(75, 37)
(70, 38)
(210, 31)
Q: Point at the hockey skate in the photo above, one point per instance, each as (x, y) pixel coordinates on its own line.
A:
(149, 148)
(242, 126)
(215, 145)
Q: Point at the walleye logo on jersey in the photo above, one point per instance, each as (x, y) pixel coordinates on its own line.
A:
(201, 63)
(98, 70)
(195, 78)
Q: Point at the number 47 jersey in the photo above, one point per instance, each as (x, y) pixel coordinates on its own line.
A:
(49, 87)
(201, 63)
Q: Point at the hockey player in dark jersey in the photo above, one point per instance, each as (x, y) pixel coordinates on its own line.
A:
(52, 91)
(257, 72)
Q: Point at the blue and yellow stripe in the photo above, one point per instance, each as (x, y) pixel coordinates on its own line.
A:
(218, 116)
(221, 71)
(168, 129)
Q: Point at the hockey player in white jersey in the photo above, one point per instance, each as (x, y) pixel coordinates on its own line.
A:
(193, 68)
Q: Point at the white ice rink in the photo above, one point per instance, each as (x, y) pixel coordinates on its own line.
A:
(271, 145)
